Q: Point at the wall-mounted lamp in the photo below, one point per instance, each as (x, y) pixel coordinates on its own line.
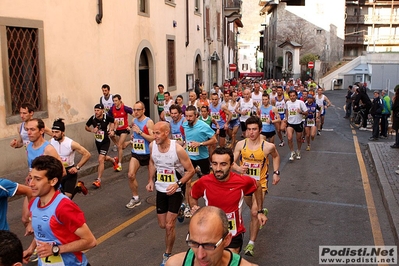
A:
(174, 23)
(198, 27)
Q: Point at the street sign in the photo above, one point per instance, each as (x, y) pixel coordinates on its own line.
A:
(311, 65)
(232, 67)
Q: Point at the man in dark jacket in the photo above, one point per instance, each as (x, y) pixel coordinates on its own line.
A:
(376, 112)
(348, 106)
(362, 100)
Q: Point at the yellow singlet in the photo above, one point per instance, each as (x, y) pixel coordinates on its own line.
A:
(257, 163)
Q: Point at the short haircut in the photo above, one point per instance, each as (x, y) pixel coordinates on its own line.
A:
(52, 165)
(140, 102)
(254, 120)
(160, 85)
(206, 210)
(106, 86)
(223, 151)
(117, 96)
(177, 107)
(28, 106)
(205, 107)
(293, 91)
(192, 108)
(40, 123)
(10, 248)
(166, 93)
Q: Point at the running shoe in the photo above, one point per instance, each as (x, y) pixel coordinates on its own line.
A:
(281, 143)
(303, 139)
(119, 168)
(265, 212)
(116, 163)
(198, 171)
(34, 257)
(308, 148)
(318, 133)
(292, 156)
(97, 183)
(82, 187)
(362, 128)
(180, 214)
(249, 250)
(115, 148)
(187, 212)
(133, 203)
(165, 257)
(298, 155)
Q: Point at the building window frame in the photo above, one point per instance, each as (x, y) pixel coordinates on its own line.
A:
(171, 62)
(171, 3)
(143, 8)
(12, 116)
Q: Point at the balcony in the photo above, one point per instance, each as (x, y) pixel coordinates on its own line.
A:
(359, 19)
(354, 40)
(378, 19)
(232, 10)
(381, 40)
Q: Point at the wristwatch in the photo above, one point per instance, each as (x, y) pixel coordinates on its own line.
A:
(180, 184)
(77, 167)
(201, 144)
(56, 250)
(277, 172)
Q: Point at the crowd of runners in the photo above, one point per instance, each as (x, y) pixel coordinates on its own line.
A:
(197, 136)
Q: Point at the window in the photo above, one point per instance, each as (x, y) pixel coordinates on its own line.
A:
(244, 67)
(207, 24)
(143, 7)
(23, 65)
(319, 31)
(170, 2)
(218, 24)
(171, 63)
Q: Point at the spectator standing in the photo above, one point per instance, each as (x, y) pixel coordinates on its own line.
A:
(386, 113)
(395, 117)
(348, 105)
(376, 111)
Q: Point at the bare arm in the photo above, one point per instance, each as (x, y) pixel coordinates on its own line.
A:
(17, 142)
(271, 149)
(237, 151)
(85, 155)
(151, 172)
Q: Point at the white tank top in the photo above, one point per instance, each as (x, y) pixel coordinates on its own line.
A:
(257, 98)
(247, 107)
(166, 108)
(232, 109)
(167, 165)
(107, 103)
(64, 149)
(24, 135)
(281, 105)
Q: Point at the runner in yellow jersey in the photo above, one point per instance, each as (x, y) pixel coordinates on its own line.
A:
(252, 154)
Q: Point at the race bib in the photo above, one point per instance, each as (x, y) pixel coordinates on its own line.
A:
(234, 115)
(265, 119)
(178, 137)
(292, 112)
(194, 151)
(253, 170)
(166, 175)
(139, 146)
(231, 218)
(280, 109)
(160, 103)
(120, 122)
(99, 135)
(167, 114)
(310, 122)
(216, 116)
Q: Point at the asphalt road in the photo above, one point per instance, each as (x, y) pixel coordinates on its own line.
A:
(329, 197)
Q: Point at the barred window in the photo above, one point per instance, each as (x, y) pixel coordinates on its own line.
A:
(24, 67)
(171, 63)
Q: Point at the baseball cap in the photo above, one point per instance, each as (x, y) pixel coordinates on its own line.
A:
(58, 125)
(377, 92)
(99, 106)
(310, 96)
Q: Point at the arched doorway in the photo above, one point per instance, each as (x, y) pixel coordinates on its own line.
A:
(144, 81)
(198, 68)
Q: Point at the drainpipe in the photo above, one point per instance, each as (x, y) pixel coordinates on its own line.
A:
(99, 16)
(187, 25)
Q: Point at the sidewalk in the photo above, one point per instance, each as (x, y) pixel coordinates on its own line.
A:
(386, 163)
